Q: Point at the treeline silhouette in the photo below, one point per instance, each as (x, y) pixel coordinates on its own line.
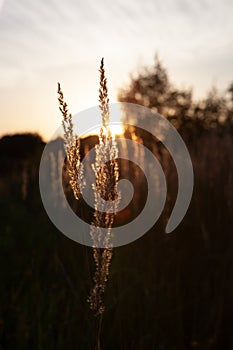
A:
(152, 88)
(165, 291)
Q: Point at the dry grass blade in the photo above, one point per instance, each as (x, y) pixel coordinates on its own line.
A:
(72, 148)
(107, 174)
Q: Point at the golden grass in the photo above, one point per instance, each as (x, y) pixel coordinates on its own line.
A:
(72, 148)
(105, 187)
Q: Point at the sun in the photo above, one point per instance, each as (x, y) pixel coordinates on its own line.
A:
(116, 128)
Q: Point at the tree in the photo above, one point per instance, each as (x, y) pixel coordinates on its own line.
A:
(152, 88)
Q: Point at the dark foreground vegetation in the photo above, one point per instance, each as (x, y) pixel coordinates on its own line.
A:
(164, 291)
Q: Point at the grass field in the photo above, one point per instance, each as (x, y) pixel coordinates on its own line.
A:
(164, 291)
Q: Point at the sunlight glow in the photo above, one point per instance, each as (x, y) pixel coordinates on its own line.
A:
(116, 129)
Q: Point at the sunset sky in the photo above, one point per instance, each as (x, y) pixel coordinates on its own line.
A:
(45, 41)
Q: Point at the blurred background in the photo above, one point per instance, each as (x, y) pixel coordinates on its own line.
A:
(164, 291)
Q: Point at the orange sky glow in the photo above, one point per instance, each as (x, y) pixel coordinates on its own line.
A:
(43, 42)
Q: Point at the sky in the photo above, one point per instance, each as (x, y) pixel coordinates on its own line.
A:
(46, 41)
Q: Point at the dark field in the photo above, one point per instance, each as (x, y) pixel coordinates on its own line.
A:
(164, 291)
